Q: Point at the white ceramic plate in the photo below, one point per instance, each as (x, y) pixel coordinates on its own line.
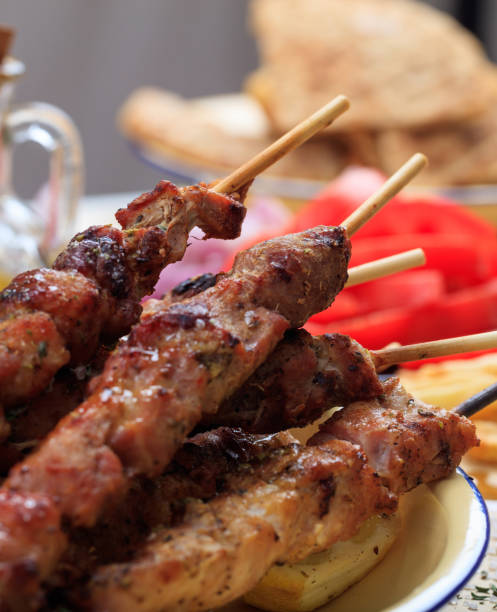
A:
(444, 538)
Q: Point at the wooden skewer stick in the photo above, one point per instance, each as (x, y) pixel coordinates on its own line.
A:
(391, 187)
(289, 141)
(438, 348)
(384, 267)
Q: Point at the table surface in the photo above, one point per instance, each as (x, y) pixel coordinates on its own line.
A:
(100, 209)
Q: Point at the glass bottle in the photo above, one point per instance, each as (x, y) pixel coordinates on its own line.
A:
(30, 233)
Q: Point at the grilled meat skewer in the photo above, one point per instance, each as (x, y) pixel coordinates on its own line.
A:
(406, 441)
(32, 420)
(306, 375)
(173, 366)
(292, 504)
(200, 469)
(105, 259)
(49, 317)
(299, 381)
(295, 502)
(302, 378)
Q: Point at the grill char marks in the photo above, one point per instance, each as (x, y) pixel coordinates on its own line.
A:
(93, 293)
(192, 286)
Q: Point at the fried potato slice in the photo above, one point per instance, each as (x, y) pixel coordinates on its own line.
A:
(311, 583)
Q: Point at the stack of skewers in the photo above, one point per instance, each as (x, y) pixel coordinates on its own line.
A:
(115, 506)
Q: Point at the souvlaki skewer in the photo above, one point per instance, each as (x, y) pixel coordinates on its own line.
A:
(287, 502)
(87, 295)
(174, 366)
(406, 442)
(50, 317)
(250, 490)
(37, 417)
(307, 375)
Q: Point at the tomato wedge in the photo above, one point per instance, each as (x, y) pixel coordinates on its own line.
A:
(414, 287)
(468, 311)
(345, 306)
(427, 214)
(462, 260)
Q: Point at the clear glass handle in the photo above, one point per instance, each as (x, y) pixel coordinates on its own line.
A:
(55, 132)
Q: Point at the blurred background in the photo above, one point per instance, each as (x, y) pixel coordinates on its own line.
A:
(426, 77)
(423, 85)
(87, 57)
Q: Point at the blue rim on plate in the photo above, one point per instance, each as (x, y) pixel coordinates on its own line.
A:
(480, 554)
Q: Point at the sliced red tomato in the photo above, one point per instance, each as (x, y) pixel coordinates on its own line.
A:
(454, 294)
(402, 215)
(373, 330)
(462, 260)
(468, 311)
(345, 306)
(414, 287)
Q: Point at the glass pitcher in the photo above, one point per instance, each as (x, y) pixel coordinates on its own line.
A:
(30, 233)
